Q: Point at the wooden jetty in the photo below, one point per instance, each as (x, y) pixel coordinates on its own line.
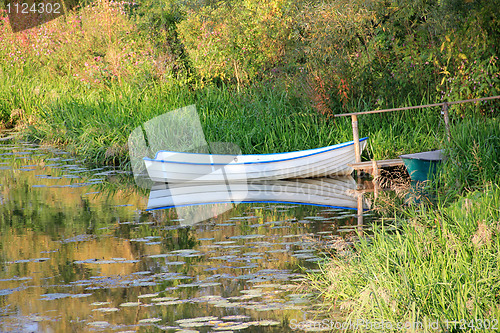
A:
(373, 167)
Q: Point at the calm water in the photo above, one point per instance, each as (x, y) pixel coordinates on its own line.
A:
(78, 253)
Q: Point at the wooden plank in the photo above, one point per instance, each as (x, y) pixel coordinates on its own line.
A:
(418, 106)
(360, 213)
(446, 121)
(380, 164)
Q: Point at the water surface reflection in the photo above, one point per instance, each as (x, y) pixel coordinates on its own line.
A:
(79, 252)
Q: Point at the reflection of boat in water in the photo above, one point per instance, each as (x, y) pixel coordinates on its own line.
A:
(170, 166)
(328, 192)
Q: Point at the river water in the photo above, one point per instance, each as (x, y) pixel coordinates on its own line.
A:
(79, 253)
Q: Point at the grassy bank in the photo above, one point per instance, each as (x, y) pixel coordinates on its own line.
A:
(260, 119)
(86, 80)
(442, 264)
(435, 262)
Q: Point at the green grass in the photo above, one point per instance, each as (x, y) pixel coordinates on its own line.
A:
(473, 155)
(95, 123)
(439, 259)
(442, 263)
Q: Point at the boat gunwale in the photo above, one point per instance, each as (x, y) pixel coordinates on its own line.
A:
(414, 156)
(327, 149)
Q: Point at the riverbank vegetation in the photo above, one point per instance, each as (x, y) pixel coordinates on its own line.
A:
(432, 265)
(269, 76)
(266, 75)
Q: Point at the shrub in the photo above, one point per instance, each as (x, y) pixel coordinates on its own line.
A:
(94, 45)
(387, 51)
(157, 20)
(236, 41)
(332, 36)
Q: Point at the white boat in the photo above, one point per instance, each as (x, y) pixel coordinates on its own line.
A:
(172, 167)
(329, 192)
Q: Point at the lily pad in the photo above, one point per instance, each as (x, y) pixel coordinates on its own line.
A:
(269, 323)
(130, 304)
(232, 327)
(194, 324)
(149, 320)
(171, 302)
(106, 309)
(162, 255)
(185, 251)
(164, 299)
(195, 320)
(235, 317)
(50, 297)
(99, 324)
(147, 295)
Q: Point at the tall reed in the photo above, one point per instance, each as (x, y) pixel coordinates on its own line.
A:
(473, 154)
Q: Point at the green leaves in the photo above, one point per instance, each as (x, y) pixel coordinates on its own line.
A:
(236, 41)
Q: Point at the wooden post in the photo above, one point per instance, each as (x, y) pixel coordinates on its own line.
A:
(355, 135)
(446, 120)
(374, 169)
(375, 178)
(360, 212)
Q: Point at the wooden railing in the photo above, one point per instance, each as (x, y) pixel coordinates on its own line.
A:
(354, 118)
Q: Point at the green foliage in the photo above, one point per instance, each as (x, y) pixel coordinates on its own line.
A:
(331, 36)
(96, 45)
(473, 79)
(388, 50)
(157, 20)
(468, 56)
(329, 53)
(235, 41)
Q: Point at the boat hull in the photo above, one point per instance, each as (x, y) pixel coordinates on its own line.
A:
(180, 167)
(423, 166)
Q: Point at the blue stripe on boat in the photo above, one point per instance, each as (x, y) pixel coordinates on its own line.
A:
(238, 202)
